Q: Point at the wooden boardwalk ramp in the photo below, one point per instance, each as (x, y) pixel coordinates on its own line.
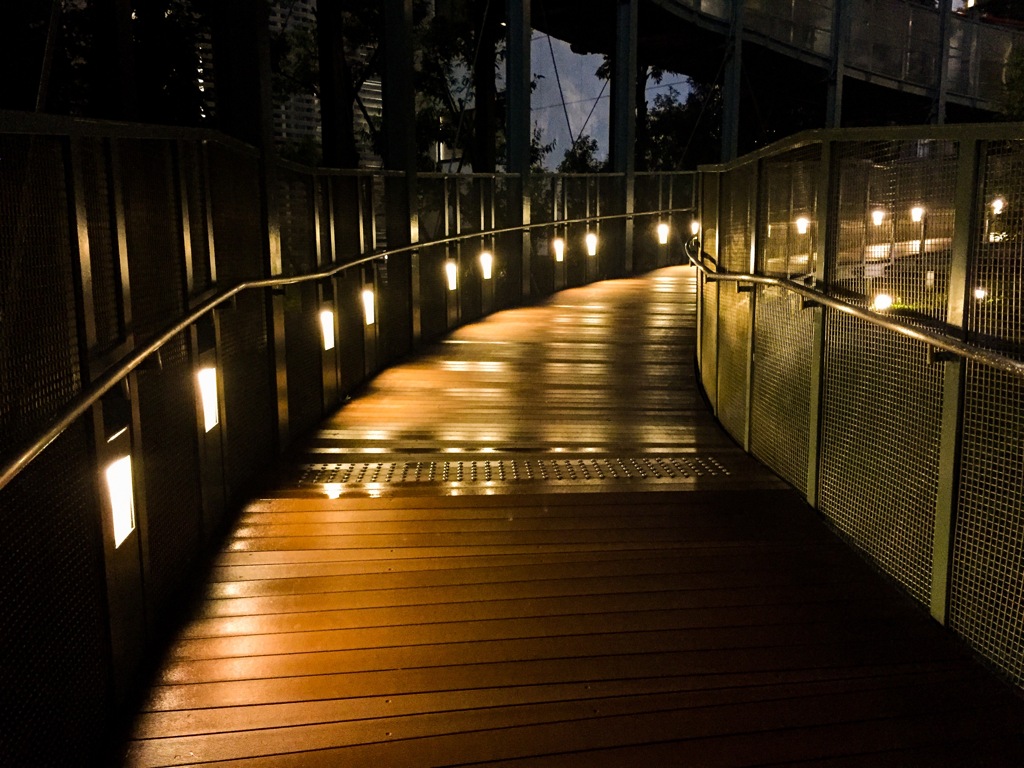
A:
(533, 546)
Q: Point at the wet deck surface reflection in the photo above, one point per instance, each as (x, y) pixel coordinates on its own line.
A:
(533, 546)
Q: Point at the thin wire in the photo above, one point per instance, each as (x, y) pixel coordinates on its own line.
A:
(561, 95)
(596, 101)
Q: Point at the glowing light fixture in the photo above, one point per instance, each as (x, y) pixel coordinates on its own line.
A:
(662, 233)
(452, 270)
(327, 326)
(881, 302)
(980, 294)
(369, 313)
(997, 206)
(802, 224)
(208, 394)
(591, 239)
(559, 245)
(877, 217)
(122, 498)
(333, 490)
(916, 213)
(694, 228)
(486, 262)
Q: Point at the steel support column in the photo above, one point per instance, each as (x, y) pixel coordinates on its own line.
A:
(622, 150)
(731, 90)
(399, 297)
(517, 79)
(837, 66)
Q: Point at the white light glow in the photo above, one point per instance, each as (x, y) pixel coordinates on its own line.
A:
(559, 245)
(929, 279)
(452, 270)
(486, 262)
(663, 233)
(122, 498)
(916, 213)
(980, 294)
(877, 217)
(997, 205)
(333, 490)
(882, 302)
(327, 326)
(694, 227)
(591, 244)
(802, 224)
(208, 394)
(369, 311)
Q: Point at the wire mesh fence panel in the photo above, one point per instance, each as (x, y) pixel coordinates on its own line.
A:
(780, 404)
(804, 24)
(733, 359)
(987, 584)
(735, 221)
(788, 239)
(895, 225)
(881, 419)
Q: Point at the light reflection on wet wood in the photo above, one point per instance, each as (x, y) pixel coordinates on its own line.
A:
(636, 625)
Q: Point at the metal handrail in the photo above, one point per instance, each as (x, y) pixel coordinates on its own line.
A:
(941, 341)
(89, 397)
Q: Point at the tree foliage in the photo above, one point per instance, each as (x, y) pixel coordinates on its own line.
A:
(581, 157)
(684, 134)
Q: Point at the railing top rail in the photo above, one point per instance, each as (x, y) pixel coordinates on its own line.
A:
(119, 370)
(961, 132)
(935, 339)
(36, 124)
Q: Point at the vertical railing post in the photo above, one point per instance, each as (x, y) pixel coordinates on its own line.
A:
(826, 214)
(754, 227)
(952, 392)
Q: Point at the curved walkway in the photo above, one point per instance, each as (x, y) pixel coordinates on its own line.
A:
(533, 546)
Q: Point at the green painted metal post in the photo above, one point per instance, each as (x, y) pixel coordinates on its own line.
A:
(754, 227)
(826, 214)
(952, 395)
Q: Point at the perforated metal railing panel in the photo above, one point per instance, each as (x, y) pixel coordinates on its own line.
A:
(303, 343)
(54, 654)
(780, 407)
(987, 585)
(880, 446)
(154, 234)
(170, 464)
(103, 257)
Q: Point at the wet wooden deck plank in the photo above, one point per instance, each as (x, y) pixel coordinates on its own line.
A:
(699, 622)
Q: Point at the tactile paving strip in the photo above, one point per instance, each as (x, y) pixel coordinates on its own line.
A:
(544, 470)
